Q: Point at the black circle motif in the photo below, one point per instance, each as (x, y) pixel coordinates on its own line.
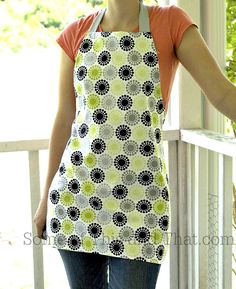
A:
(81, 72)
(126, 43)
(164, 222)
(86, 45)
(95, 203)
(119, 219)
(121, 162)
(165, 194)
(116, 247)
(160, 106)
(73, 213)
(83, 130)
(102, 86)
(142, 235)
(148, 87)
(98, 146)
(95, 230)
(146, 118)
(145, 178)
(55, 225)
(126, 72)
(77, 158)
(62, 169)
(74, 242)
(97, 175)
(144, 206)
(160, 252)
(74, 186)
(120, 191)
(99, 116)
(124, 102)
(54, 196)
(147, 148)
(104, 58)
(123, 132)
(150, 59)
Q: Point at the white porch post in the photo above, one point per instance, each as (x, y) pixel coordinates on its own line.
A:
(214, 32)
(190, 116)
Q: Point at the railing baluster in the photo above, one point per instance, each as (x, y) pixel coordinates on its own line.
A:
(173, 185)
(201, 196)
(193, 279)
(35, 197)
(182, 215)
(225, 221)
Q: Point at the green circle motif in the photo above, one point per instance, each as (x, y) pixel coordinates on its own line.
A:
(141, 73)
(88, 188)
(110, 232)
(159, 207)
(157, 91)
(79, 89)
(67, 227)
(138, 163)
(142, 45)
(154, 119)
(67, 198)
(98, 45)
(117, 87)
(156, 236)
(78, 59)
(135, 219)
(93, 101)
(159, 179)
(132, 250)
(93, 130)
(90, 160)
(88, 215)
(88, 243)
(119, 58)
(94, 72)
(70, 171)
(75, 143)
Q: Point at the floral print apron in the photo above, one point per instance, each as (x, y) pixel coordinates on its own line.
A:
(110, 194)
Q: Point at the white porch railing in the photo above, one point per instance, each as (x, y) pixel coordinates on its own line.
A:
(201, 210)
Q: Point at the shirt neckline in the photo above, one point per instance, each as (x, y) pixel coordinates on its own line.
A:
(136, 29)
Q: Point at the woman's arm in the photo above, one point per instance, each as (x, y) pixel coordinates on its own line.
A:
(63, 120)
(196, 57)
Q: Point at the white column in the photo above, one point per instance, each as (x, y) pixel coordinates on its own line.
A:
(213, 29)
(190, 103)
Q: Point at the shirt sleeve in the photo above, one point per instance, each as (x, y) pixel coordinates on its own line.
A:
(66, 39)
(179, 21)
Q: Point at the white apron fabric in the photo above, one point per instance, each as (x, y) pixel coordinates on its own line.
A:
(110, 194)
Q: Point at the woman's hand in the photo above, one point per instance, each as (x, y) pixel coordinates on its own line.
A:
(40, 218)
(196, 57)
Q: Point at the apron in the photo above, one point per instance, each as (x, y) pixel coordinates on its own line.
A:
(110, 194)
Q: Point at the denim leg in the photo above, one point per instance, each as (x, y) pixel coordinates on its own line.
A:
(85, 270)
(132, 274)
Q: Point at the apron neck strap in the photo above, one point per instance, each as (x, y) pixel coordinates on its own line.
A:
(143, 19)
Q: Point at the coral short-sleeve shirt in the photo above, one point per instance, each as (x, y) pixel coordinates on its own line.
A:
(167, 25)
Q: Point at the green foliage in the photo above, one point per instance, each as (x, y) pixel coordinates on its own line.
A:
(231, 40)
(27, 23)
(231, 46)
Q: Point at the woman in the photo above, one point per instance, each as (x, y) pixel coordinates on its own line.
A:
(106, 197)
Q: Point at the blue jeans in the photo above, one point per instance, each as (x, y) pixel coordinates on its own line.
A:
(89, 271)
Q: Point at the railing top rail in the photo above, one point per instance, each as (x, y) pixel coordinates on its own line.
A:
(24, 145)
(210, 140)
